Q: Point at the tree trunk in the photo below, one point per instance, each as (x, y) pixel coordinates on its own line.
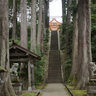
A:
(23, 23)
(84, 47)
(33, 25)
(14, 33)
(39, 35)
(75, 47)
(46, 14)
(63, 14)
(67, 27)
(89, 31)
(7, 89)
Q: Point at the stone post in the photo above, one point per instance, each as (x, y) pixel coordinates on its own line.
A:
(49, 40)
(58, 39)
(33, 76)
(29, 76)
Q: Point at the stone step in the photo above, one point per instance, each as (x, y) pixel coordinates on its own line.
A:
(54, 40)
(54, 67)
(54, 70)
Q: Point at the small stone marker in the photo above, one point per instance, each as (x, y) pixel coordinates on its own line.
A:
(91, 86)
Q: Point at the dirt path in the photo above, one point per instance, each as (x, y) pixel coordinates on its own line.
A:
(56, 89)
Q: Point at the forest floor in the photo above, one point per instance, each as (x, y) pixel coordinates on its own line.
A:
(55, 89)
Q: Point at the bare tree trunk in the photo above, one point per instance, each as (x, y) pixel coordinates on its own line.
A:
(89, 31)
(46, 13)
(33, 25)
(14, 33)
(43, 26)
(24, 23)
(68, 24)
(7, 89)
(39, 35)
(63, 14)
(84, 53)
(89, 35)
(75, 47)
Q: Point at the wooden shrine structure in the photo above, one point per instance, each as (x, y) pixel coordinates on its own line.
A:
(20, 55)
(54, 25)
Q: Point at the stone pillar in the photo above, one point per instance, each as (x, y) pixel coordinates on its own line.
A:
(29, 76)
(33, 76)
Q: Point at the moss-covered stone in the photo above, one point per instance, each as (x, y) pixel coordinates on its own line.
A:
(28, 94)
(2, 69)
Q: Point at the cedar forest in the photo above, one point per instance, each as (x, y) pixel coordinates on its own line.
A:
(26, 22)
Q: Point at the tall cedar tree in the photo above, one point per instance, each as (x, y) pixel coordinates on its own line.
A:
(23, 23)
(14, 33)
(39, 35)
(33, 25)
(84, 42)
(7, 89)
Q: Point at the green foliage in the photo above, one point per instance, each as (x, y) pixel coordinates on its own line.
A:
(29, 32)
(29, 2)
(17, 41)
(73, 7)
(63, 37)
(17, 31)
(39, 66)
(10, 33)
(77, 92)
(46, 39)
(68, 48)
(39, 70)
(29, 94)
(2, 69)
(67, 68)
(93, 29)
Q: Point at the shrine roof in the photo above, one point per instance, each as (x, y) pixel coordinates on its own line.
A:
(15, 46)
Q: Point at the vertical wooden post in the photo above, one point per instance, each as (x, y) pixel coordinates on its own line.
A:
(33, 76)
(29, 76)
(58, 33)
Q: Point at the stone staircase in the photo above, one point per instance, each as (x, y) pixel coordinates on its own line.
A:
(54, 41)
(54, 68)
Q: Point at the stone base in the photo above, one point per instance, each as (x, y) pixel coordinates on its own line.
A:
(33, 87)
(29, 89)
(17, 87)
(91, 95)
(91, 87)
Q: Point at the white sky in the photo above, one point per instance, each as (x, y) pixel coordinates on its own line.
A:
(55, 10)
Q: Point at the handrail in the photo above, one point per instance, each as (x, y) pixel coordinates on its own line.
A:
(38, 93)
(69, 90)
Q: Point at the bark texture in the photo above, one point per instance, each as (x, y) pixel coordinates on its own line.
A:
(23, 23)
(63, 14)
(14, 33)
(68, 18)
(33, 25)
(39, 35)
(84, 42)
(75, 46)
(7, 89)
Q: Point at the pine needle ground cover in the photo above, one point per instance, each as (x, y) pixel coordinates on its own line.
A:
(77, 92)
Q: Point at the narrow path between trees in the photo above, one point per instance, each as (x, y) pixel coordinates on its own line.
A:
(55, 89)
